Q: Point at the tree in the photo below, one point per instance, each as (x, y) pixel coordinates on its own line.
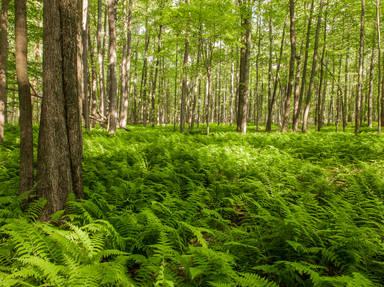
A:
(126, 74)
(292, 60)
(112, 83)
(26, 132)
(3, 65)
(243, 90)
(313, 71)
(378, 27)
(60, 138)
(361, 71)
(299, 98)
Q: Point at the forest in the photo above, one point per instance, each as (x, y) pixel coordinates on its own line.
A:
(191, 143)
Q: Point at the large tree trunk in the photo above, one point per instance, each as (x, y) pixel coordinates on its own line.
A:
(25, 103)
(60, 138)
(3, 65)
(245, 51)
(291, 77)
(112, 85)
(360, 72)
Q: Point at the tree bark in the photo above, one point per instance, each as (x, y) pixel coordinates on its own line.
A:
(275, 84)
(378, 32)
(60, 138)
(291, 77)
(84, 60)
(299, 102)
(25, 102)
(112, 85)
(313, 72)
(127, 68)
(360, 72)
(245, 51)
(185, 84)
(3, 65)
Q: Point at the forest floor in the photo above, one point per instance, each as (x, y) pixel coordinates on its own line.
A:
(166, 209)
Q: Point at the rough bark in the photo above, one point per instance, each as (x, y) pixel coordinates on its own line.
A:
(60, 139)
(25, 102)
(245, 51)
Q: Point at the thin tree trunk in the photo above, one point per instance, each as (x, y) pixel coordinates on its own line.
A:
(100, 57)
(305, 67)
(370, 90)
(360, 72)
(84, 59)
(319, 119)
(184, 88)
(275, 84)
(291, 77)
(127, 68)
(155, 77)
(25, 102)
(313, 72)
(379, 96)
(3, 65)
(112, 86)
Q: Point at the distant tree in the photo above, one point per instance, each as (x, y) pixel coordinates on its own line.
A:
(112, 82)
(3, 65)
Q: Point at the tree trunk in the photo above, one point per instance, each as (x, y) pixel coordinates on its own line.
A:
(60, 139)
(245, 51)
(3, 65)
(360, 72)
(319, 116)
(112, 85)
(155, 77)
(184, 88)
(25, 102)
(84, 63)
(379, 98)
(275, 84)
(100, 57)
(370, 90)
(299, 102)
(313, 72)
(127, 63)
(291, 77)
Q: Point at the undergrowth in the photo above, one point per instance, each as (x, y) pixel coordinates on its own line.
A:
(165, 209)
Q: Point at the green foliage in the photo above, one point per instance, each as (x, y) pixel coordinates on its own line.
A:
(165, 209)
